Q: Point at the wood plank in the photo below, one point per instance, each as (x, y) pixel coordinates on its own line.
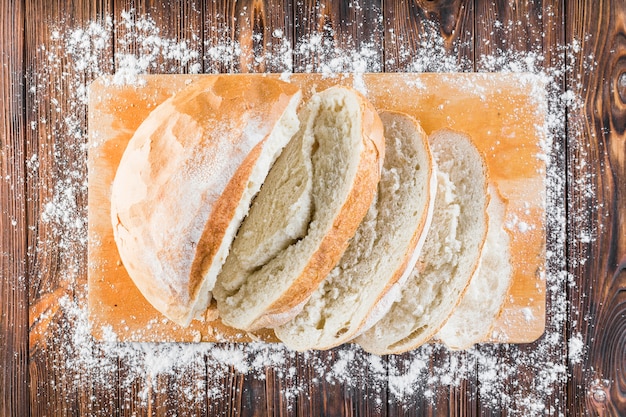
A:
(414, 33)
(597, 205)
(225, 385)
(553, 34)
(56, 156)
(48, 271)
(281, 383)
(248, 36)
(263, 31)
(168, 36)
(14, 397)
(338, 36)
(503, 25)
(218, 29)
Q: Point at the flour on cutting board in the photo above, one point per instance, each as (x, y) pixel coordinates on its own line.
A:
(82, 54)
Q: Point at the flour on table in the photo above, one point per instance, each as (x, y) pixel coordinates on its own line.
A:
(576, 349)
(82, 54)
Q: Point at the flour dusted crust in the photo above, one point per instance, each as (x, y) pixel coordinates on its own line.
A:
(450, 254)
(253, 293)
(186, 179)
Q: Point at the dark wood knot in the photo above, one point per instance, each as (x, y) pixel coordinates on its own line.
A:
(446, 12)
(614, 93)
(608, 352)
(621, 86)
(598, 391)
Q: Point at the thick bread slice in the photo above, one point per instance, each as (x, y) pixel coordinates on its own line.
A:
(450, 254)
(309, 207)
(473, 317)
(383, 251)
(186, 179)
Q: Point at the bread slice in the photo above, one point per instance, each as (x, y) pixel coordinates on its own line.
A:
(450, 254)
(309, 207)
(473, 317)
(383, 251)
(186, 180)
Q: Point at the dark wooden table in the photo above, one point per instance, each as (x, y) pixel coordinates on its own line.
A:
(43, 258)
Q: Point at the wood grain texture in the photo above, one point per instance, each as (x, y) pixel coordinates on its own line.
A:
(13, 219)
(597, 219)
(553, 41)
(421, 26)
(327, 33)
(248, 36)
(219, 37)
(179, 48)
(38, 261)
(56, 262)
(509, 26)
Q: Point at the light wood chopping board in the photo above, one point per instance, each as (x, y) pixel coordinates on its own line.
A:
(503, 113)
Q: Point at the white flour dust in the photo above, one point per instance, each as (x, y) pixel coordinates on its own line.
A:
(83, 54)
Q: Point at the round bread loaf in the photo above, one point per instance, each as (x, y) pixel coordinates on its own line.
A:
(186, 180)
(310, 206)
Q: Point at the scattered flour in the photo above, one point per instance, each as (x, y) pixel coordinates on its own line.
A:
(528, 314)
(576, 349)
(82, 55)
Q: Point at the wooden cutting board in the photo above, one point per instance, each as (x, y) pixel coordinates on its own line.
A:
(503, 113)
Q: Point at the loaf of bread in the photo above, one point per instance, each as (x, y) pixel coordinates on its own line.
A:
(473, 318)
(450, 254)
(290, 220)
(306, 212)
(186, 180)
(383, 250)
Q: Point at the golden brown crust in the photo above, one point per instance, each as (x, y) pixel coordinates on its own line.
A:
(221, 216)
(335, 242)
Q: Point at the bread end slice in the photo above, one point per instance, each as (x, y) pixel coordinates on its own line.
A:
(474, 316)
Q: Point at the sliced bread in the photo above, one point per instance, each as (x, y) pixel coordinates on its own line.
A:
(307, 210)
(186, 180)
(383, 251)
(449, 256)
(474, 316)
